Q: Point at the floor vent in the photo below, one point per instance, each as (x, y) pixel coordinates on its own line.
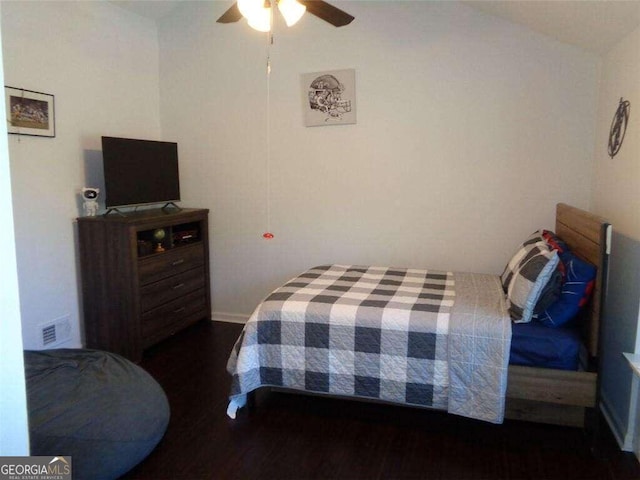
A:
(56, 332)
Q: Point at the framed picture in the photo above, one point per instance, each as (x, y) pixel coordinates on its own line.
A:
(329, 98)
(29, 112)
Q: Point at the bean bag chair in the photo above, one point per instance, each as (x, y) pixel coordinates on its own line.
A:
(105, 412)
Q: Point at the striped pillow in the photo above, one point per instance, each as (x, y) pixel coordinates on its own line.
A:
(535, 268)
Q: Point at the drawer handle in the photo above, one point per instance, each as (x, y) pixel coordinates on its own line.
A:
(181, 309)
(176, 287)
(178, 262)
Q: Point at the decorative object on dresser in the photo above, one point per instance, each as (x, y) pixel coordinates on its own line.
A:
(138, 289)
(90, 204)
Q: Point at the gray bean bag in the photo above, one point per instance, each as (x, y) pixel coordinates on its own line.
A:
(107, 413)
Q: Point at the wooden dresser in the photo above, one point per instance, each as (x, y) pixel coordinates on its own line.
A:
(144, 276)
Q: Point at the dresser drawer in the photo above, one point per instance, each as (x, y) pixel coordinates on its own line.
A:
(170, 263)
(155, 294)
(160, 321)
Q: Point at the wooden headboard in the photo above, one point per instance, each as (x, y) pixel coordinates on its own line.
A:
(589, 237)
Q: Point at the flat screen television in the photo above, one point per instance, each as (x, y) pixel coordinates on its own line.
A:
(139, 172)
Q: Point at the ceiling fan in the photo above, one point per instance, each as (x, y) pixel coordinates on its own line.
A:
(258, 12)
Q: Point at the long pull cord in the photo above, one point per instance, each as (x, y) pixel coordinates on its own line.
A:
(268, 235)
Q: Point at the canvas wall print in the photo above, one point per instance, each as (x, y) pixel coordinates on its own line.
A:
(29, 112)
(329, 98)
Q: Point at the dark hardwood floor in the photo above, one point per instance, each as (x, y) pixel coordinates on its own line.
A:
(297, 437)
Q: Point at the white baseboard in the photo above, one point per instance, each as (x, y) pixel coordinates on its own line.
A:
(229, 317)
(615, 425)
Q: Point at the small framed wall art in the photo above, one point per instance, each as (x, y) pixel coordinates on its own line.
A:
(29, 112)
(329, 98)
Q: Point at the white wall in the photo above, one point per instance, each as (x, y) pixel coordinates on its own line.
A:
(101, 63)
(14, 433)
(470, 129)
(616, 196)
(616, 183)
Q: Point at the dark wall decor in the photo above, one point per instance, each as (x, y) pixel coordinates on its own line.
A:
(29, 112)
(619, 127)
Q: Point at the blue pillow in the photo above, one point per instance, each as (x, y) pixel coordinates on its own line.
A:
(578, 286)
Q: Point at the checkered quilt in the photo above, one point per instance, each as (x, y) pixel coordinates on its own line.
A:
(372, 332)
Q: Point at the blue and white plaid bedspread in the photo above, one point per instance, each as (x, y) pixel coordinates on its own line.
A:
(373, 332)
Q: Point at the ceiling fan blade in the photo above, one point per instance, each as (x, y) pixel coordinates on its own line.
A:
(327, 12)
(231, 15)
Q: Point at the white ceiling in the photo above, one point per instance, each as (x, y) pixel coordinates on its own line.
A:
(594, 25)
(154, 9)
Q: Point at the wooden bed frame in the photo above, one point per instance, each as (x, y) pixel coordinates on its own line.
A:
(563, 397)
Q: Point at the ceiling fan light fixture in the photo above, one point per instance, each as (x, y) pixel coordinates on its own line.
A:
(258, 16)
(291, 10)
(261, 21)
(250, 7)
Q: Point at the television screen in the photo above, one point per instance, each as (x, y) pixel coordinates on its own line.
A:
(139, 172)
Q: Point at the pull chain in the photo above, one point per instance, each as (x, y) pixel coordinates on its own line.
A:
(268, 235)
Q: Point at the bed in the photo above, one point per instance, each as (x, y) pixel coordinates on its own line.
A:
(441, 340)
